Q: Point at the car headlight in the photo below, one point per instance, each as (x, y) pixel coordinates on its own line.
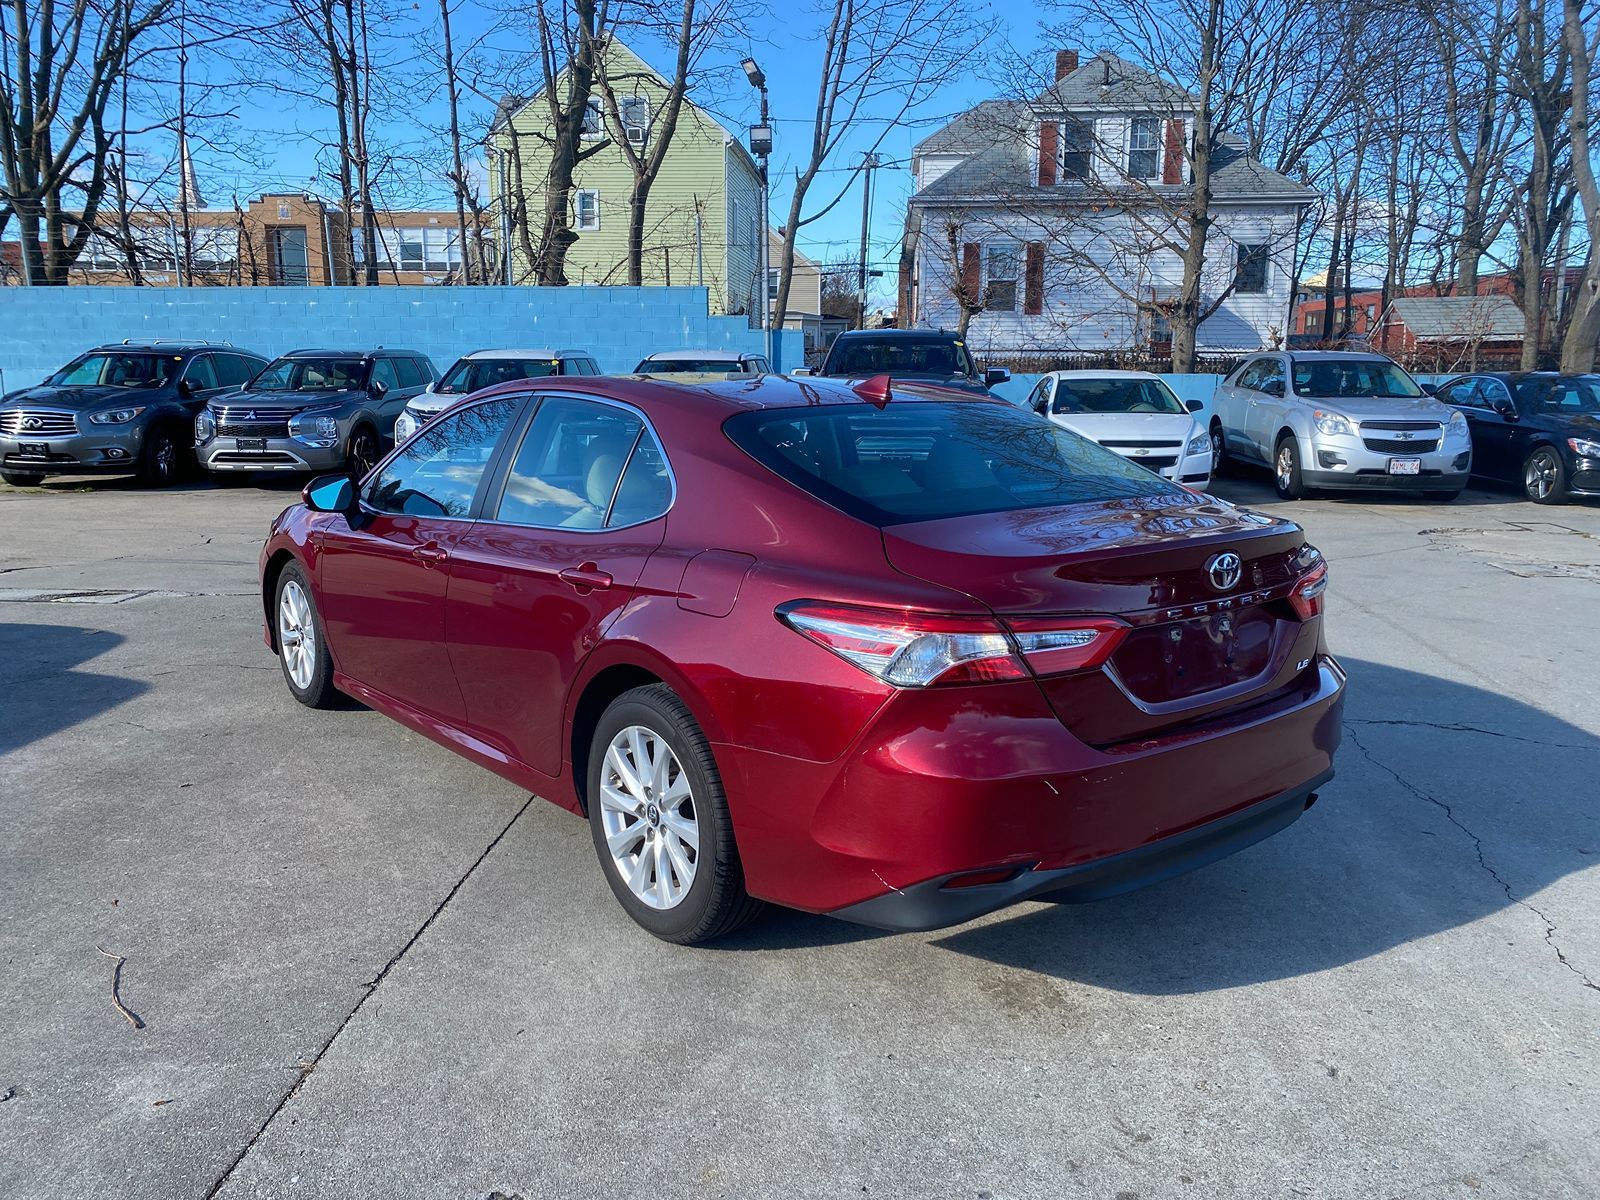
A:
(1456, 424)
(116, 416)
(404, 426)
(1200, 443)
(1331, 423)
(314, 429)
(205, 426)
(1584, 448)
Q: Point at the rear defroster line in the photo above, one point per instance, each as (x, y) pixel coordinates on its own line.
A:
(309, 1065)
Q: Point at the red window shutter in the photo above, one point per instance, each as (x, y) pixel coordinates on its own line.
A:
(1033, 288)
(971, 272)
(1049, 152)
(1172, 168)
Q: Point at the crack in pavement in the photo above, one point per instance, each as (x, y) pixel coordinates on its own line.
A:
(307, 1066)
(1477, 843)
(1456, 727)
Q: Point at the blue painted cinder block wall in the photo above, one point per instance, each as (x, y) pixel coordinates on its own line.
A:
(42, 329)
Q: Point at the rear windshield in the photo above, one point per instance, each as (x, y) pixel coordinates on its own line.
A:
(1331, 380)
(473, 375)
(689, 366)
(934, 357)
(1115, 396)
(920, 461)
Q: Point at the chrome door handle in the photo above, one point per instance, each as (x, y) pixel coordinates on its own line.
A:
(586, 576)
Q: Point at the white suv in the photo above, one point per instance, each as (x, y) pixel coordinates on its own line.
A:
(486, 368)
(1340, 421)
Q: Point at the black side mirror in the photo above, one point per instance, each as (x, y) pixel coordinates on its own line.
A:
(330, 494)
(1194, 405)
(379, 389)
(995, 375)
(185, 389)
(1431, 389)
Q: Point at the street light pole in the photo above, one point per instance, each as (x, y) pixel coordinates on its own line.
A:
(761, 147)
(868, 162)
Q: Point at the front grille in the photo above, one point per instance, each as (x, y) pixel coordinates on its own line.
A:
(37, 423)
(1156, 462)
(243, 421)
(1397, 446)
(1138, 444)
(1396, 426)
(253, 456)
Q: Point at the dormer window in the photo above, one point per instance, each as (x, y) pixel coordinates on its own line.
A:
(1144, 148)
(1077, 144)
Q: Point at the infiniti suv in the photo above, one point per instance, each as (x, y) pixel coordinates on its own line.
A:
(118, 410)
(312, 410)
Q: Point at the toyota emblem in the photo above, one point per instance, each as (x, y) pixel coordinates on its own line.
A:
(32, 423)
(1224, 570)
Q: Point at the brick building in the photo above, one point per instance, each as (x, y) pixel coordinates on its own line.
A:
(1366, 306)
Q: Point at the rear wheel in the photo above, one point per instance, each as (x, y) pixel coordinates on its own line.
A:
(302, 649)
(1286, 469)
(660, 820)
(1544, 477)
(21, 478)
(1219, 447)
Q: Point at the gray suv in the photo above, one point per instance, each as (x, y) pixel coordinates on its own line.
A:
(312, 410)
(125, 409)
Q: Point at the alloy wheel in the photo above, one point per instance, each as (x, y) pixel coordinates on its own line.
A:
(363, 453)
(1285, 466)
(1216, 447)
(297, 635)
(166, 459)
(1540, 475)
(648, 816)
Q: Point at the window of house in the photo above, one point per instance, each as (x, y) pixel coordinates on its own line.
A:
(213, 248)
(1144, 148)
(1160, 327)
(586, 210)
(594, 124)
(155, 244)
(411, 254)
(1250, 272)
(772, 283)
(635, 114)
(100, 253)
(1077, 144)
(441, 248)
(1000, 276)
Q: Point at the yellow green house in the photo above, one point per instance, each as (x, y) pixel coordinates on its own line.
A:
(703, 218)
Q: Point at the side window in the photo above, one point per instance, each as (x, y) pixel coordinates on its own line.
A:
(383, 372)
(1493, 392)
(1270, 370)
(759, 366)
(235, 369)
(1037, 397)
(567, 469)
(1250, 376)
(1464, 391)
(406, 370)
(202, 374)
(438, 473)
(646, 489)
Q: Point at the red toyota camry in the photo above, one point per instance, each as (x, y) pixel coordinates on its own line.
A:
(900, 657)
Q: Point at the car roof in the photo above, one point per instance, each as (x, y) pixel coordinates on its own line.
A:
(335, 352)
(520, 354)
(1339, 356)
(1526, 375)
(1085, 374)
(700, 356)
(896, 334)
(726, 394)
(167, 346)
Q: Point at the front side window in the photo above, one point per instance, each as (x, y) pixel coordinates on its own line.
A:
(567, 472)
(1331, 379)
(921, 461)
(383, 372)
(586, 210)
(312, 375)
(119, 370)
(1000, 268)
(1144, 148)
(474, 374)
(202, 374)
(1464, 391)
(1250, 273)
(437, 474)
(1116, 396)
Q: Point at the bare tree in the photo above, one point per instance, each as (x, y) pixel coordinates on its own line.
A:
(1578, 349)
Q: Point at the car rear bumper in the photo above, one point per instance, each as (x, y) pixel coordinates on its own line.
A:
(936, 903)
(941, 784)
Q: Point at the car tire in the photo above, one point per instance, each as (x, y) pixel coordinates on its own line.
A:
(1219, 448)
(1544, 476)
(21, 478)
(363, 451)
(643, 843)
(302, 646)
(1286, 476)
(1444, 497)
(161, 460)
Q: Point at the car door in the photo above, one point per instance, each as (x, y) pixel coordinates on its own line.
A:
(383, 573)
(1467, 396)
(388, 406)
(537, 581)
(201, 380)
(1502, 432)
(1233, 406)
(1264, 414)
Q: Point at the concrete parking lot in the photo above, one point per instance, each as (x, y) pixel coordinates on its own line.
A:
(367, 968)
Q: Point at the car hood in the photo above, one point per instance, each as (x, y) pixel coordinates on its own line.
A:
(293, 401)
(1099, 427)
(1376, 408)
(79, 399)
(431, 404)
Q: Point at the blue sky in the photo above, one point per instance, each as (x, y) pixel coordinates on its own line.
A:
(283, 131)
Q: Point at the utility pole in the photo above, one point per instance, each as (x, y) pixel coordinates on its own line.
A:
(869, 162)
(185, 167)
(761, 148)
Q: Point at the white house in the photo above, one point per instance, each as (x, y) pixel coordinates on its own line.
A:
(1061, 212)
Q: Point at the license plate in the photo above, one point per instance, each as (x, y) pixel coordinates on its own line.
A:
(1405, 466)
(33, 450)
(250, 443)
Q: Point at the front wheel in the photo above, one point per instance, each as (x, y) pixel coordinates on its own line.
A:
(362, 452)
(302, 648)
(660, 820)
(1286, 470)
(1219, 448)
(1544, 477)
(161, 463)
(21, 478)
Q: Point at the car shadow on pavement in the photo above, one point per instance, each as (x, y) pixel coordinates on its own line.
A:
(1432, 775)
(1251, 487)
(43, 691)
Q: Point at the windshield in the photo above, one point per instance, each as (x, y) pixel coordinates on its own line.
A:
(938, 358)
(312, 375)
(1361, 377)
(1560, 397)
(689, 366)
(1115, 396)
(473, 375)
(919, 461)
(119, 370)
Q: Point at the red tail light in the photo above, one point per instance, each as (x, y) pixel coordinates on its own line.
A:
(1306, 596)
(907, 649)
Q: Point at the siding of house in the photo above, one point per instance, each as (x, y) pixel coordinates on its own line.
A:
(687, 219)
(805, 285)
(745, 289)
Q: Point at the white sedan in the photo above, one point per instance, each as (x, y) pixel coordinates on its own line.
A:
(1133, 413)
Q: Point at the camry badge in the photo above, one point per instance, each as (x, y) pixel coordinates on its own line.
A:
(1224, 570)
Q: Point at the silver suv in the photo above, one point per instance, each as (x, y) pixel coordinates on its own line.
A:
(486, 368)
(1339, 420)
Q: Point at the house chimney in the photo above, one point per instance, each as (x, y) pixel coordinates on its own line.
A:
(1066, 63)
